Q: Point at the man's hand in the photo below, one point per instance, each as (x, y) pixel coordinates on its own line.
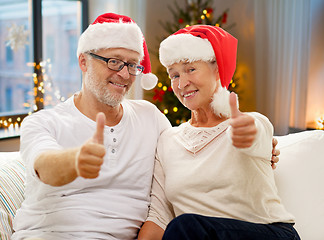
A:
(275, 153)
(243, 126)
(90, 156)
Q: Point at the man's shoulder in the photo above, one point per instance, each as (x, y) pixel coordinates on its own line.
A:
(143, 107)
(139, 103)
(61, 109)
(147, 113)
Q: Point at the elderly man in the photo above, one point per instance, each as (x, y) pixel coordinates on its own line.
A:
(90, 159)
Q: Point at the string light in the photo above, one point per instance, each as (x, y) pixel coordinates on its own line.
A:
(45, 85)
(320, 123)
(11, 127)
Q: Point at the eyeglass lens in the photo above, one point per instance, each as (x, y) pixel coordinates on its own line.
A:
(117, 65)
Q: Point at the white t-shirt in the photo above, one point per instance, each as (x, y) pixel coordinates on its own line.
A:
(112, 206)
(198, 170)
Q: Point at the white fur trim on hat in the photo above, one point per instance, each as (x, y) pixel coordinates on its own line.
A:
(186, 47)
(220, 103)
(148, 81)
(111, 35)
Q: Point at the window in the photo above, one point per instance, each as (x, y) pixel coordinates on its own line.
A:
(37, 68)
(49, 48)
(9, 55)
(8, 99)
(27, 54)
(73, 48)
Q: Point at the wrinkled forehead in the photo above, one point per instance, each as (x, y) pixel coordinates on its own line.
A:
(120, 53)
(185, 63)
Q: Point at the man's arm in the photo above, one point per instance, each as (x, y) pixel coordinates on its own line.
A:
(56, 167)
(60, 167)
(275, 154)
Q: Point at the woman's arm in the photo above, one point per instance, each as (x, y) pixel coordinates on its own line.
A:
(150, 231)
(160, 210)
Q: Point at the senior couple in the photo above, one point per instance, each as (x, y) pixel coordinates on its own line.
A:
(90, 160)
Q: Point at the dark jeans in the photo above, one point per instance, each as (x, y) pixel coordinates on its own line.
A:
(197, 227)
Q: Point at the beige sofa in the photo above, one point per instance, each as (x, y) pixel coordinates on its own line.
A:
(299, 176)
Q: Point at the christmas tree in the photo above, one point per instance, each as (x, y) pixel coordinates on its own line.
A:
(194, 12)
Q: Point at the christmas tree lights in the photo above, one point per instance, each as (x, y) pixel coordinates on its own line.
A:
(320, 123)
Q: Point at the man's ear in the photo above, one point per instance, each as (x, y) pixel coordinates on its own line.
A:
(83, 62)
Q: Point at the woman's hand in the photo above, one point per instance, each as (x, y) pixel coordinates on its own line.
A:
(243, 126)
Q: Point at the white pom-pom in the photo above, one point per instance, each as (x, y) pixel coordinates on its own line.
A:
(148, 81)
(220, 103)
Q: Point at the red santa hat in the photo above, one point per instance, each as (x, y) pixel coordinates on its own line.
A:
(202, 42)
(112, 30)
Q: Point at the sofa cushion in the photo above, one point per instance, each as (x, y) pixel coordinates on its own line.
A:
(12, 177)
(300, 177)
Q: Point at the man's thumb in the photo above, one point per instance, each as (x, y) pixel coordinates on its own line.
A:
(233, 104)
(98, 137)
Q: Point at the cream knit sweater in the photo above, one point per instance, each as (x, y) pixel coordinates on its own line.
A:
(198, 170)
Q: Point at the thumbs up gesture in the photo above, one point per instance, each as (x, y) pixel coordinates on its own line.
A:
(243, 126)
(90, 156)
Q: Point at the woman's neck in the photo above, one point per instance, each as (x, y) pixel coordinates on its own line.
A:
(205, 118)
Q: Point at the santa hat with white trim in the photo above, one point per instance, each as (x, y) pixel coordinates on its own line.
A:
(204, 43)
(112, 30)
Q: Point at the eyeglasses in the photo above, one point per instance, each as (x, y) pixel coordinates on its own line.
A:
(117, 65)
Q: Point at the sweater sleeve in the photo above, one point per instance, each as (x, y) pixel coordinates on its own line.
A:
(262, 145)
(161, 211)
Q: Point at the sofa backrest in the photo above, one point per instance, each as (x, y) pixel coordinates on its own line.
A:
(300, 178)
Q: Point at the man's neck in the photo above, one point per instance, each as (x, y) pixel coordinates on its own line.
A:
(90, 107)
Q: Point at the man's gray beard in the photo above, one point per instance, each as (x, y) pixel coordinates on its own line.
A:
(102, 93)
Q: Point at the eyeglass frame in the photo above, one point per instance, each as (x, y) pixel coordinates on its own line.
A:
(121, 68)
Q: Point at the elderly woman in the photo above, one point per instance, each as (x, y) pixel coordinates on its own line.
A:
(213, 177)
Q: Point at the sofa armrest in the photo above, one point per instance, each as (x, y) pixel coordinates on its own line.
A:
(12, 178)
(300, 177)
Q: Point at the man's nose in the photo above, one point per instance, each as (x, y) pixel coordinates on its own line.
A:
(124, 72)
